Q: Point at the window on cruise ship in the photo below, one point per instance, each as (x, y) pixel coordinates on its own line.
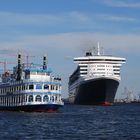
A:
(30, 98)
(31, 87)
(46, 98)
(46, 86)
(38, 98)
(38, 86)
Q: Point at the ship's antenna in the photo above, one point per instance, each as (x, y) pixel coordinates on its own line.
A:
(103, 50)
(98, 49)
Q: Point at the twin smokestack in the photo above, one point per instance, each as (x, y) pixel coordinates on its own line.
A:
(19, 70)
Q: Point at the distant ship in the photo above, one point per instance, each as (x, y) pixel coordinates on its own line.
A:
(31, 90)
(96, 79)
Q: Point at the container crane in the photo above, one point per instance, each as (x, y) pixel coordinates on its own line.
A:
(27, 56)
(27, 60)
(5, 64)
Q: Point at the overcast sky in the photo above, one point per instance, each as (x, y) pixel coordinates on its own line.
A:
(64, 29)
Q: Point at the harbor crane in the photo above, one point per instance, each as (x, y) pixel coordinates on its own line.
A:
(5, 64)
(27, 56)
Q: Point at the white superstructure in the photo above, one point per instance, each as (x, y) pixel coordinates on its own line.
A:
(97, 66)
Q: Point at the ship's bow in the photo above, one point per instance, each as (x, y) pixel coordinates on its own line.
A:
(99, 91)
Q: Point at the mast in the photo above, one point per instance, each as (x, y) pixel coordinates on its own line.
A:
(98, 49)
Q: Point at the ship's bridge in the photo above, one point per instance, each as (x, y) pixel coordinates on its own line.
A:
(99, 65)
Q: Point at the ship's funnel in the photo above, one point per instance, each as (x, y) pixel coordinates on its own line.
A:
(19, 70)
(44, 62)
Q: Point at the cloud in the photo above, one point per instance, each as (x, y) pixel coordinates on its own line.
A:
(10, 18)
(122, 3)
(19, 24)
(117, 18)
(74, 41)
(80, 16)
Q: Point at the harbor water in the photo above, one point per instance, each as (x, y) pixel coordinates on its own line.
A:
(74, 122)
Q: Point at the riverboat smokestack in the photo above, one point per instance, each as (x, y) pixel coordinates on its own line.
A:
(19, 70)
(44, 62)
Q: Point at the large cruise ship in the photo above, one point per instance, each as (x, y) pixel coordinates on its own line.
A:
(30, 89)
(96, 79)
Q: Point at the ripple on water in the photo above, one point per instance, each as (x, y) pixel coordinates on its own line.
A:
(74, 122)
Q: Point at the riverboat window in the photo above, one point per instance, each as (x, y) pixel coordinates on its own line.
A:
(30, 98)
(14, 89)
(26, 87)
(31, 87)
(46, 86)
(19, 99)
(38, 98)
(23, 87)
(25, 98)
(46, 98)
(52, 98)
(52, 87)
(20, 88)
(56, 98)
(38, 86)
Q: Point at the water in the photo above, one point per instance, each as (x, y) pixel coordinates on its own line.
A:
(74, 122)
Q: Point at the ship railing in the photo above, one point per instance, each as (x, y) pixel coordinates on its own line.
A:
(31, 81)
(44, 81)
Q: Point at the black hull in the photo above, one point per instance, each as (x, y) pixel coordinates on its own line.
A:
(97, 92)
(32, 108)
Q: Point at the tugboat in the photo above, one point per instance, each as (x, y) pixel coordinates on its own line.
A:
(30, 90)
(96, 79)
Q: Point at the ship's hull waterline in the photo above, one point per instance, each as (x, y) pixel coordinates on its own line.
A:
(96, 92)
(33, 108)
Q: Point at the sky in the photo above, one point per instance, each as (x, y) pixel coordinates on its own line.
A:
(64, 29)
